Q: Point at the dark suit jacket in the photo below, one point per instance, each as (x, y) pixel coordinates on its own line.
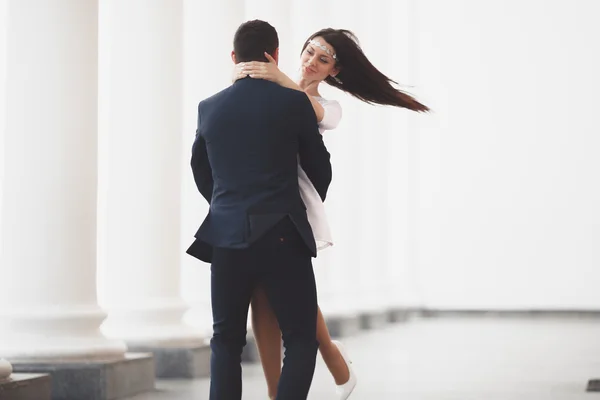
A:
(245, 163)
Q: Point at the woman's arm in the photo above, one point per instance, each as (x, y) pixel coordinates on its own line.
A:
(289, 83)
(271, 72)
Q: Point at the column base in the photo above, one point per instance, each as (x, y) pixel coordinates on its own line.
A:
(95, 379)
(156, 324)
(396, 315)
(593, 385)
(342, 325)
(26, 387)
(180, 361)
(374, 319)
(200, 320)
(55, 332)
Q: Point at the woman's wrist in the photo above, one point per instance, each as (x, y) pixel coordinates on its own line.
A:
(287, 82)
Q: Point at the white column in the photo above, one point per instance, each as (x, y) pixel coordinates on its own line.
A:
(306, 18)
(338, 265)
(402, 147)
(372, 179)
(279, 14)
(3, 54)
(48, 304)
(5, 369)
(140, 159)
(207, 69)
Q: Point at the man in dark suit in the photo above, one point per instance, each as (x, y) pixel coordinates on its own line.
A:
(249, 139)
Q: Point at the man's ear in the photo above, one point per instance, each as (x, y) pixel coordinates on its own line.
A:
(276, 55)
(233, 57)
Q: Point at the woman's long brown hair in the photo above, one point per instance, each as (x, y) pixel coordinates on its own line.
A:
(358, 77)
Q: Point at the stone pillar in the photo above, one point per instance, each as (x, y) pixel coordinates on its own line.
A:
(202, 40)
(49, 187)
(304, 21)
(141, 53)
(276, 13)
(402, 149)
(48, 305)
(5, 367)
(281, 15)
(371, 184)
(338, 266)
(3, 65)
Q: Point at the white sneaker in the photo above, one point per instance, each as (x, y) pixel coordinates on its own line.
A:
(344, 391)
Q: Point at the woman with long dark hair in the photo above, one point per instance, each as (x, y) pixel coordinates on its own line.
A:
(333, 56)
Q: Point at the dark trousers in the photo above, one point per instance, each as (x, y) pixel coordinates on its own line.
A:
(281, 263)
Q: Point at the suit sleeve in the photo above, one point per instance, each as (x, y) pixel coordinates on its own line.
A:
(314, 157)
(201, 165)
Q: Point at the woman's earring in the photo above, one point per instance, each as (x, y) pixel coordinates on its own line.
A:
(337, 80)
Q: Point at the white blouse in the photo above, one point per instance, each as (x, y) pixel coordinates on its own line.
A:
(315, 209)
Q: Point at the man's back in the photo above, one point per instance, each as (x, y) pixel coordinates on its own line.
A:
(251, 134)
(256, 234)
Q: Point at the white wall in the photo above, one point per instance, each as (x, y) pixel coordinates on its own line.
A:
(491, 199)
(507, 206)
(3, 29)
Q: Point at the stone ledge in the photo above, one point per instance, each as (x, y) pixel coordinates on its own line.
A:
(397, 315)
(593, 385)
(340, 326)
(500, 313)
(95, 379)
(186, 361)
(26, 387)
(374, 319)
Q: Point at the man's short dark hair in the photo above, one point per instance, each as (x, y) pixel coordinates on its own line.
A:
(252, 39)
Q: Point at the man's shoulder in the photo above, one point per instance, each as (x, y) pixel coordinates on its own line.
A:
(270, 88)
(215, 98)
(269, 92)
(293, 99)
(292, 94)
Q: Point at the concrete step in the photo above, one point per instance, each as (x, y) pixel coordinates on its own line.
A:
(26, 387)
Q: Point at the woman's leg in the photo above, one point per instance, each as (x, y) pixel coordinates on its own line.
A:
(268, 339)
(331, 353)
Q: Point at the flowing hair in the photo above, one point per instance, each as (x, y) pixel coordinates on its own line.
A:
(358, 77)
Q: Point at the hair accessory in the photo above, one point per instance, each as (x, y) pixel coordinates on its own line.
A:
(322, 47)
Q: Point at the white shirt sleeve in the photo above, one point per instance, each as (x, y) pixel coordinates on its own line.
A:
(332, 114)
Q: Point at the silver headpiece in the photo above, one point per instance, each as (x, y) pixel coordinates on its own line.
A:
(322, 47)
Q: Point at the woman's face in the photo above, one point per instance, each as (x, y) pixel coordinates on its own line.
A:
(317, 61)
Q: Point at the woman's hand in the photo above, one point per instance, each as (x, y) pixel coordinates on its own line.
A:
(238, 72)
(269, 71)
(263, 70)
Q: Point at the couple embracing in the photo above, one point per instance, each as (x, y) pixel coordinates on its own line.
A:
(260, 161)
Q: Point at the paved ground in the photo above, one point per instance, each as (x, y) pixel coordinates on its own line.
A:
(450, 359)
